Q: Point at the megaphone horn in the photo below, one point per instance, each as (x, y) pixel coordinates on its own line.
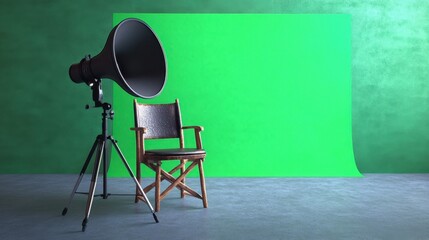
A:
(132, 57)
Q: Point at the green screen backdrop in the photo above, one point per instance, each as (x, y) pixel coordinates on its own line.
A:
(273, 92)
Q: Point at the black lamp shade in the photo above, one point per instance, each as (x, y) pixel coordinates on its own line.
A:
(132, 57)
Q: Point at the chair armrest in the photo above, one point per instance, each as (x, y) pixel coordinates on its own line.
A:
(197, 128)
(139, 129)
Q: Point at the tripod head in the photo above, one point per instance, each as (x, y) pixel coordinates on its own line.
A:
(97, 97)
(97, 93)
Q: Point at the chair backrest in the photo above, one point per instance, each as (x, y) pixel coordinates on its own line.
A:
(161, 120)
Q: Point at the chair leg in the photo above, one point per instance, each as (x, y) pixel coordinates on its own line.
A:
(203, 183)
(158, 188)
(182, 169)
(138, 173)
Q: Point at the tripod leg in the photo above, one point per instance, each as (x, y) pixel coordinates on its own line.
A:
(105, 194)
(82, 172)
(134, 178)
(93, 184)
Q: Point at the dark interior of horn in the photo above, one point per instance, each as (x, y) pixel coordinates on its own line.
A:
(139, 58)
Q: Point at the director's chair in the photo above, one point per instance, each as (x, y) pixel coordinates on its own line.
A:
(158, 121)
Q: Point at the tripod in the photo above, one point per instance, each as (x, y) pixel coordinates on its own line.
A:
(100, 145)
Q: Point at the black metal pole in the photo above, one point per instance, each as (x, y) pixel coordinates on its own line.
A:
(106, 108)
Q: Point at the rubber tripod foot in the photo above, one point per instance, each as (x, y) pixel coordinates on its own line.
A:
(156, 218)
(84, 222)
(64, 211)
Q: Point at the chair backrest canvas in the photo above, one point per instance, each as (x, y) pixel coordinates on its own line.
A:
(161, 120)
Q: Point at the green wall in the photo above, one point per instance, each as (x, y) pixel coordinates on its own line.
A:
(273, 92)
(45, 129)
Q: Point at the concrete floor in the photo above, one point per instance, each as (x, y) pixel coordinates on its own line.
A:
(374, 207)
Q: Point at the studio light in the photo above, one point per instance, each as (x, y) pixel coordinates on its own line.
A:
(132, 57)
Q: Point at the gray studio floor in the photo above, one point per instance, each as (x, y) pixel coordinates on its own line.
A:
(374, 207)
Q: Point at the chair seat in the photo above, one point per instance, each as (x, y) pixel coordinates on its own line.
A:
(175, 151)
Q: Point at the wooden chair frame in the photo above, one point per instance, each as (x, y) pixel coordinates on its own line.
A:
(154, 162)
